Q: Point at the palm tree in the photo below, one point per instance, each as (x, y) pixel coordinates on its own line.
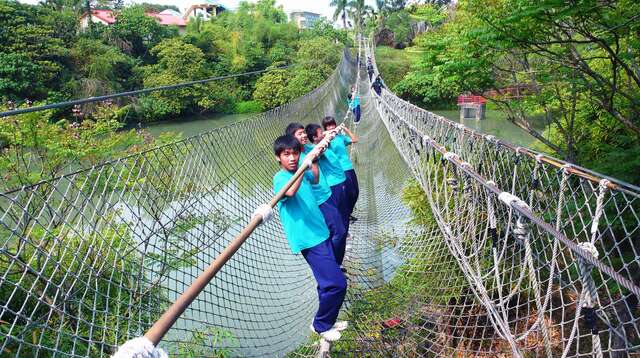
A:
(359, 10)
(341, 10)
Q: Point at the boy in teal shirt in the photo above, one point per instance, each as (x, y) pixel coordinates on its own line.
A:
(330, 164)
(308, 234)
(323, 193)
(339, 146)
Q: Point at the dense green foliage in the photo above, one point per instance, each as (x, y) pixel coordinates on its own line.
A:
(394, 64)
(45, 57)
(576, 65)
(317, 57)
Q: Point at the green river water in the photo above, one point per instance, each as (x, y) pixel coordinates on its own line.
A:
(494, 124)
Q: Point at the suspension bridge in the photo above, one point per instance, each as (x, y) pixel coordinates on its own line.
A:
(520, 254)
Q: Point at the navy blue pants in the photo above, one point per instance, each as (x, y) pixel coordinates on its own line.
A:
(340, 201)
(337, 232)
(352, 189)
(356, 113)
(332, 285)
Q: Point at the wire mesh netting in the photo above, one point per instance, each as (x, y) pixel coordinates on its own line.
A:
(439, 263)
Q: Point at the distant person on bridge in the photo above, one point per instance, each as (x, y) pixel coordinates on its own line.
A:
(378, 85)
(327, 202)
(354, 105)
(307, 233)
(370, 70)
(339, 146)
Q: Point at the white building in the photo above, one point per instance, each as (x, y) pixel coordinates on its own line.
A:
(304, 19)
(205, 9)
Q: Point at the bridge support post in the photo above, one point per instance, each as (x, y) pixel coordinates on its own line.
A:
(472, 110)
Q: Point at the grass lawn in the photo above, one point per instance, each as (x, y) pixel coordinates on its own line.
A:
(394, 64)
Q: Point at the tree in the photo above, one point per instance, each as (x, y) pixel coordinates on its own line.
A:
(271, 89)
(34, 51)
(100, 69)
(341, 11)
(576, 65)
(268, 9)
(136, 33)
(359, 9)
(176, 62)
(598, 43)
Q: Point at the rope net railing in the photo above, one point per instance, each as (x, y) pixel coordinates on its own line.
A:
(93, 258)
(536, 256)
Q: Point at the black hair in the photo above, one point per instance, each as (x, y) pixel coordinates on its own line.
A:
(285, 142)
(349, 96)
(312, 131)
(328, 120)
(292, 128)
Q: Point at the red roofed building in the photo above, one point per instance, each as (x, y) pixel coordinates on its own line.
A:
(107, 17)
(168, 18)
(104, 17)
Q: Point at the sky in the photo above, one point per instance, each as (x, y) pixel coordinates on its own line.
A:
(318, 6)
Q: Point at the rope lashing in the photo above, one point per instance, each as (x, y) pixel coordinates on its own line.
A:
(512, 200)
(590, 316)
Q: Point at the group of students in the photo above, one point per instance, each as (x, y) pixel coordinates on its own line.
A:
(316, 210)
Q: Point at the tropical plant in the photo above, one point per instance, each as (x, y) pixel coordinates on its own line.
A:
(341, 10)
(359, 10)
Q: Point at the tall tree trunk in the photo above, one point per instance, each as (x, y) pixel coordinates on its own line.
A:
(344, 19)
(87, 6)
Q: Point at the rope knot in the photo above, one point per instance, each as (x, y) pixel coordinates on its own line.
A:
(450, 156)
(604, 184)
(511, 199)
(426, 140)
(590, 248)
(264, 211)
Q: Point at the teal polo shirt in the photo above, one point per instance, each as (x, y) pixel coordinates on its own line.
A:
(321, 190)
(300, 216)
(339, 145)
(330, 166)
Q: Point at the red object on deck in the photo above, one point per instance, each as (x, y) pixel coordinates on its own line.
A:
(390, 323)
(462, 99)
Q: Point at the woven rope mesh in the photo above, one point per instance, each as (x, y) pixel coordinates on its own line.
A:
(92, 259)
